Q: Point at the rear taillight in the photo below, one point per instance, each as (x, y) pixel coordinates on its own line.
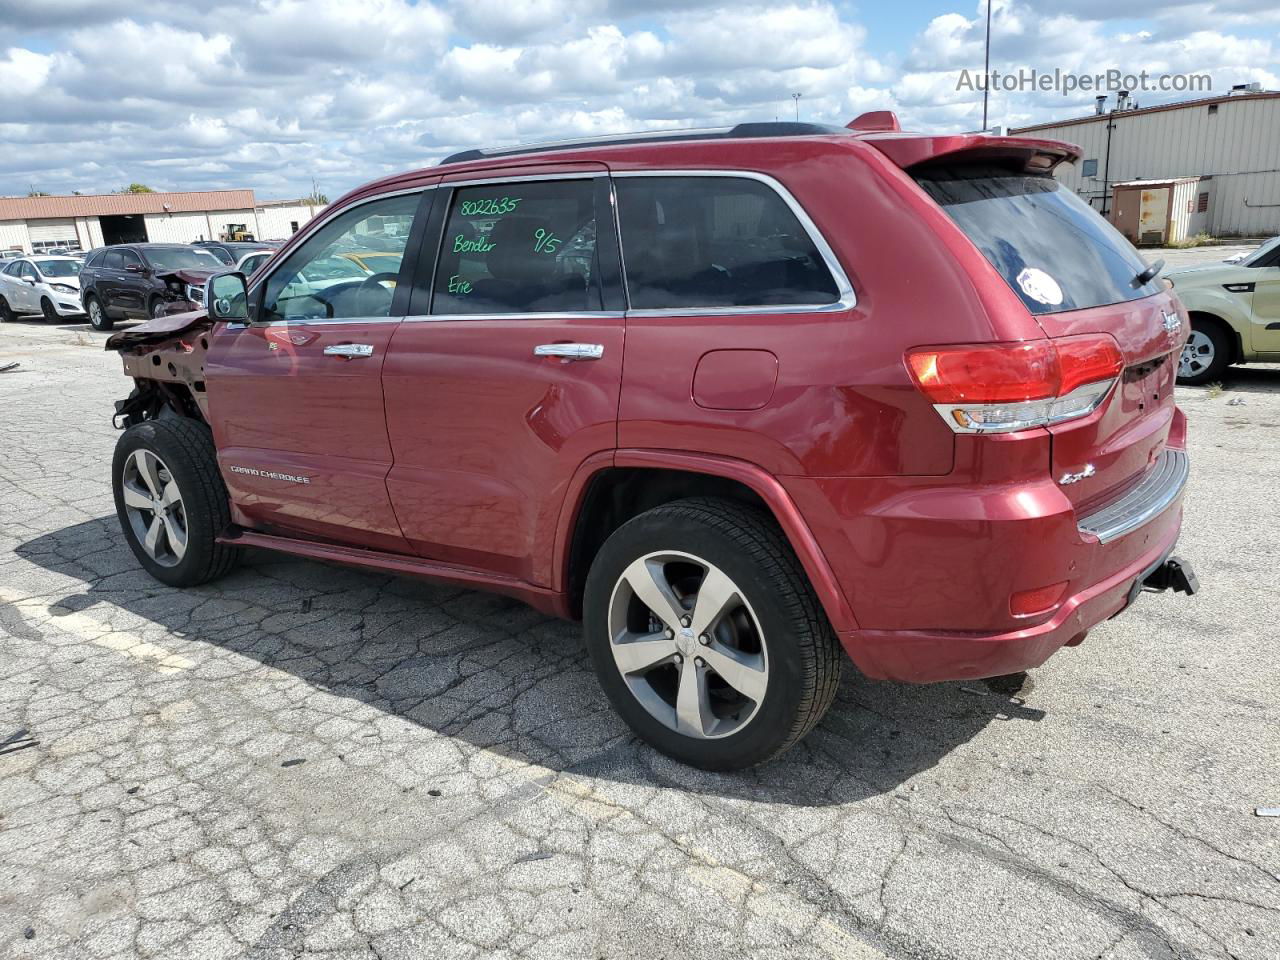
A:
(998, 388)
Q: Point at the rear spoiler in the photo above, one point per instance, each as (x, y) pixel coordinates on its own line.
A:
(909, 150)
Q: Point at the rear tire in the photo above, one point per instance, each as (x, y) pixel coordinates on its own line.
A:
(98, 318)
(745, 677)
(171, 501)
(1206, 354)
(47, 308)
(6, 311)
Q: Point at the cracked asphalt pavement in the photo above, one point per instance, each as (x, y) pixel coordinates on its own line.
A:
(307, 760)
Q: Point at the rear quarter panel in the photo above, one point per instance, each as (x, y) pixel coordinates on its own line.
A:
(843, 404)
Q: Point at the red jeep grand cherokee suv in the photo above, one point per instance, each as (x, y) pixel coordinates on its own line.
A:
(736, 398)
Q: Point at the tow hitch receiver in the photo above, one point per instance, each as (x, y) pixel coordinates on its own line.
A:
(1174, 574)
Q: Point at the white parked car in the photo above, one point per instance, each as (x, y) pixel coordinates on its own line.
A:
(41, 284)
(252, 261)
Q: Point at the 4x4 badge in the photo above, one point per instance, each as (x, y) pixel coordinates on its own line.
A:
(1084, 474)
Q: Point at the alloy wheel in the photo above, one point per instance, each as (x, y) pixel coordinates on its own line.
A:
(158, 310)
(95, 313)
(1197, 354)
(153, 505)
(688, 645)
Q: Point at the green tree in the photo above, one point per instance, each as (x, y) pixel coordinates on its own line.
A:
(33, 192)
(316, 200)
(136, 188)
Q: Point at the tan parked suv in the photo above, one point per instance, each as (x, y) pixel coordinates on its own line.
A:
(1235, 313)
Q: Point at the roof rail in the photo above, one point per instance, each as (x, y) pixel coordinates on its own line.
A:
(741, 131)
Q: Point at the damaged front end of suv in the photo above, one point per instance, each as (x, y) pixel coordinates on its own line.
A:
(165, 357)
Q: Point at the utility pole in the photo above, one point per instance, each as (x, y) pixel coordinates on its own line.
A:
(796, 97)
(986, 69)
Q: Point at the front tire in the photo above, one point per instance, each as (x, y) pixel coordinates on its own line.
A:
(706, 635)
(171, 501)
(98, 318)
(157, 308)
(1206, 354)
(47, 308)
(6, 311)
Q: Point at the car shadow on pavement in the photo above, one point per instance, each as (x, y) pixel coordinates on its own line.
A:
(492, 672)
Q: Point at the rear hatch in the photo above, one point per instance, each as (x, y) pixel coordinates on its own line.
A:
(1076, 275)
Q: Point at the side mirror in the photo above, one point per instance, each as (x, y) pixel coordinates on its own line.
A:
(133, 268)
(227, 297)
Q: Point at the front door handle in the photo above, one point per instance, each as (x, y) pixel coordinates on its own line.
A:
(349, 350)
(570, 351)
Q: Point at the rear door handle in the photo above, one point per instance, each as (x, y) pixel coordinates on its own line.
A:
(349, 350)
(570, 351)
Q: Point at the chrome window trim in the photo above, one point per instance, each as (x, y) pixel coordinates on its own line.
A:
(310, 322)
(561, 315)
(1149, 498)
(847, 297)
(316, 223)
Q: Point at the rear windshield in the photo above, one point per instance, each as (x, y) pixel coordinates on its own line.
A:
(1051, 247)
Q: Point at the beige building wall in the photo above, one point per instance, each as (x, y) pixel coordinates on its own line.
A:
(1234, 140)
(176, 227)
(14, 236)
(275, 222)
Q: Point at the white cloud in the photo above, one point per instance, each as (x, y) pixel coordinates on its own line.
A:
(269, 93)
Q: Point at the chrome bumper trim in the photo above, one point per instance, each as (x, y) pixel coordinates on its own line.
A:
(1159, 488)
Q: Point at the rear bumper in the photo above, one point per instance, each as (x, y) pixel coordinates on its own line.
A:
(916, 656)
(929, 566)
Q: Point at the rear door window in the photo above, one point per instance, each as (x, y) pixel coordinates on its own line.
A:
(716, 242)
(1053, 249)
(523, 247)
(114, 260)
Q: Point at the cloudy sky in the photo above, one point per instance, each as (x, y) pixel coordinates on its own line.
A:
(270, 94)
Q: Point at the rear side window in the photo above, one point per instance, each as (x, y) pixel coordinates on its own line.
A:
(519, 248)
(716, 242)
(1052, 248)
(114, 260)
(95, 259)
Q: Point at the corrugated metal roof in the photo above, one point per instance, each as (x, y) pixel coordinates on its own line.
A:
(1157, 182)
(108, 204)
(1142, 111)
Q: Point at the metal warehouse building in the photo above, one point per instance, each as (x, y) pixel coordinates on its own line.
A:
(1228, 145)
(78, 222)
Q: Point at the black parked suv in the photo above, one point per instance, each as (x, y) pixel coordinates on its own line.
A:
(143, 280)
(230, 251)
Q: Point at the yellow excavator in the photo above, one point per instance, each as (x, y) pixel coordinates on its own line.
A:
(236, 233)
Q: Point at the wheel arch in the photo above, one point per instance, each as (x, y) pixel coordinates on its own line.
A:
(610, 489)
(1234, 337)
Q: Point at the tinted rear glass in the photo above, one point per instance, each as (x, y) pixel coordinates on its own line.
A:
(1052, 248)
(520, 248)
(716, 242)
